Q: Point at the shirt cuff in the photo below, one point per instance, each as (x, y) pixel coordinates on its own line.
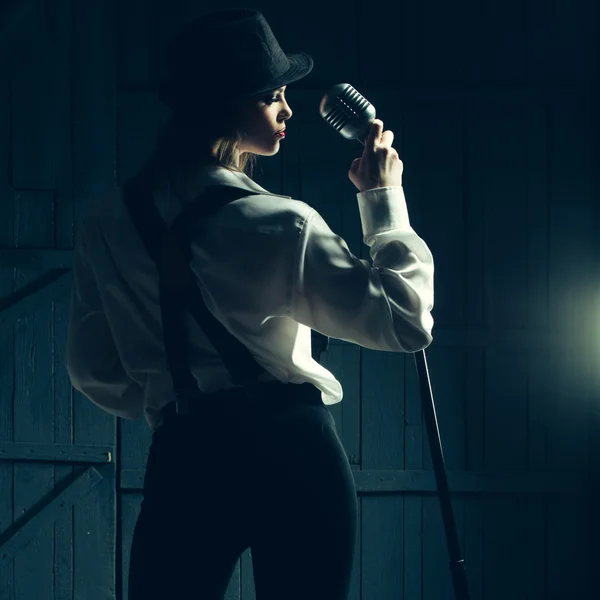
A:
(382, 209)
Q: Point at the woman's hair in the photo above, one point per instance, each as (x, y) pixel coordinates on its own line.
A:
(188, 142)
(225, 155)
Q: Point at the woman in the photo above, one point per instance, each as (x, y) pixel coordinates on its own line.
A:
(236, 469)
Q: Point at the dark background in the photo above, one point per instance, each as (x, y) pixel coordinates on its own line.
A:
(494, 108)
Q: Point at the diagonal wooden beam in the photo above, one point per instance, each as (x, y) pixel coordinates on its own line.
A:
(14, 539)
(50, 286)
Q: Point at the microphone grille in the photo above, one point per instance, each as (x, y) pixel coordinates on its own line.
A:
(347, 111)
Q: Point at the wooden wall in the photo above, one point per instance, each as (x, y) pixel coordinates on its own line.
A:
(494, 108)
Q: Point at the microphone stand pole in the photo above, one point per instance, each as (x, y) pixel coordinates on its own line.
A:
(457, 564)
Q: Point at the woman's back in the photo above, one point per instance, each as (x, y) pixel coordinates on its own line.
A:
(270, 270)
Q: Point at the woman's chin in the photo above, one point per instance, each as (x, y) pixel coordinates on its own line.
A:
(264, 149)
(269, 151)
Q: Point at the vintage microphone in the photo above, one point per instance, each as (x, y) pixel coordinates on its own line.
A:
(351, 115)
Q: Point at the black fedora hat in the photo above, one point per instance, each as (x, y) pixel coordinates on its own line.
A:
(232, 47)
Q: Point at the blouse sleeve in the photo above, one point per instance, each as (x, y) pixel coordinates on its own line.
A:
(92, 360)
(382, 305)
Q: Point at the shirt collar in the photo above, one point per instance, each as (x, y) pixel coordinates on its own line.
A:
(222, 176)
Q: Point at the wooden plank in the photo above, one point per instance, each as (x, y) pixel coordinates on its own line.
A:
(14, 15)
(415, 439)
(94, 147)
(501, 47)
(569, 572)
(572, 244)
(94, 99)
(38, 101)
(472, 482)
(474, 443)
(572, 213)
(502, 537)
(560, 39)
(502, 167)
(344, 363)
(506, 416)
(538, 175)
(17, 23)
(171, 17)
(539, 385)
(532, 537)
(130, 509)
(534, 531)
(63, 434)
(431, 147)
(383, 423)
(567, 542)
(382, 534)
(34, 379)
(35, 295)
(131, 479)
(375, 482)
(58, 19)
(398, 35)
(447, 378)
(7, 362)
(94, 535)
(435, 573)
(49, 452)
(28, 530)
(477, 308)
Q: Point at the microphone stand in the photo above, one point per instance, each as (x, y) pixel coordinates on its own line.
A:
(457, 563)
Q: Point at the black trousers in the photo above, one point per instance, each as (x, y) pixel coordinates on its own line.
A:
(269, 474)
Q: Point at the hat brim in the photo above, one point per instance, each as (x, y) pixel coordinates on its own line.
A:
(301, 64)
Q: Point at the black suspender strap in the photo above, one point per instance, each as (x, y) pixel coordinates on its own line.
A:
(170, 250)
(182, 232)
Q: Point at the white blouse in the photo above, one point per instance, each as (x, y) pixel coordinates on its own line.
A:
(269, 268)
